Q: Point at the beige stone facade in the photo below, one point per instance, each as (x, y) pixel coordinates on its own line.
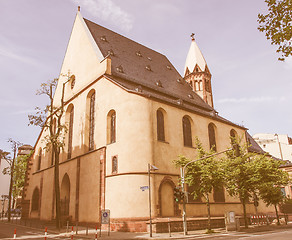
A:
(110, 174)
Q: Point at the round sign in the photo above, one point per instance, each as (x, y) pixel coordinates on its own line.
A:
(105, 214)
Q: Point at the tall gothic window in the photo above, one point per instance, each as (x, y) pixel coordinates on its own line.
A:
(111, 127)
(234, 143)
(218, 194)
(70, 132)
(191, 198)
(187, 131)
(160, 126)
(115, 164)
(39, 160)
(91, 121)
(212, 137)
(35, 200)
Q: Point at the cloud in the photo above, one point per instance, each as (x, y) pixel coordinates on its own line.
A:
(4, 52)
(107, 10)
(252, 100)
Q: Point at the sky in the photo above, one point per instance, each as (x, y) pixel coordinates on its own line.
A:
(250, 86)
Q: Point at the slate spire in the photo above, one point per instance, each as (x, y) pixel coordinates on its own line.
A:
(196, 73)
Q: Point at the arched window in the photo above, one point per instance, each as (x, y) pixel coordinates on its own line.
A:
(114, 164)
(65, 195)
(218, 194)
(111, 127)
(35, 202)
(187, 131)
(70, 130)
(91, 121)
(160, 126)
(212, 137)
(234, 144)
(39, 160)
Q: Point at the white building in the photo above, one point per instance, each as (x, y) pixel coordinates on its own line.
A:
(278, 145)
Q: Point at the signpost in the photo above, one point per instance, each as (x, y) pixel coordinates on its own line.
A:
(105, 219)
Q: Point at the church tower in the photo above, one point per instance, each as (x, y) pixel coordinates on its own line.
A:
(196, 73)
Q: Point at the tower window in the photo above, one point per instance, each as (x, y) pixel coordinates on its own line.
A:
(39, 160)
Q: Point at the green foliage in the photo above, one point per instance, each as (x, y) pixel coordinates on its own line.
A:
(204, 175)
(277, 25)
(19, 174)
(239, 173)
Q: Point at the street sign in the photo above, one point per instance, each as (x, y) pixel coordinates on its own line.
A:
(105, 216)
(143, 188)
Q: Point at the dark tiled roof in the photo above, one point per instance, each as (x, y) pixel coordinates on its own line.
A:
(147, 72)
(254, 147)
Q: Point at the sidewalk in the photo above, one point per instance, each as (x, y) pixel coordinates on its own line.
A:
(175, 235)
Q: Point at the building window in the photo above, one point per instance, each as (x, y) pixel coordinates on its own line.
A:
(212, 137)
(39, 160)
(91, 121)
(111, 127)
(70, 132)
(218, 194)
(160, 126)
(35, 200)
(114, 164)
(187, 131)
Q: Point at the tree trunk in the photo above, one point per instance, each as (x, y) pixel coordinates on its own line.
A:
(209, 212)
(277, 214)
(244, 213)
(57, 190)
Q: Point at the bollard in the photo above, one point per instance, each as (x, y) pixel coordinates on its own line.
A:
(14, 237)
(169, 227)
(72, 233)
(76, 228)
(86, 228)
(67, 230)
(46, 233)
(96, 233)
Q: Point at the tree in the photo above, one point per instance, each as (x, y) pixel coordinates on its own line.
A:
(10, 170)
(204, 175)
(269, 179)
(239, 175)
(19, 174)
(277, 25)
(50, 119)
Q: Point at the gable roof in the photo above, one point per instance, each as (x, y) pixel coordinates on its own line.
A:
(253, 147)
(146, 72)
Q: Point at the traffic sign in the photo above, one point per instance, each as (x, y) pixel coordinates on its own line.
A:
(105, 216)
(143, 188)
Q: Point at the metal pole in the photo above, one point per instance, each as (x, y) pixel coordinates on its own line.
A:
(184, 202)
(149, 188)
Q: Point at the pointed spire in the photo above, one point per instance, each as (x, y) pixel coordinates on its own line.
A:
(194, 57)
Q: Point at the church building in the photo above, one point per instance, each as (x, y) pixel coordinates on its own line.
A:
(127, 107)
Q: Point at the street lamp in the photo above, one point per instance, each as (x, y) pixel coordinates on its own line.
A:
(150, 168)
(182, 172)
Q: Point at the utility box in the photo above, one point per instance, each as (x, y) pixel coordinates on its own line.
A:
(230, 221)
